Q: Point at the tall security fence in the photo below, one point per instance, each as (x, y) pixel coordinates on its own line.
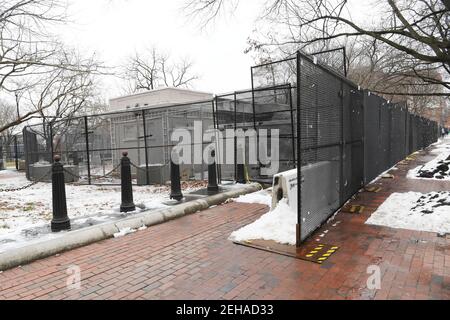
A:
(260, 109)
(91, 146)
(338, 136)
(347, 136)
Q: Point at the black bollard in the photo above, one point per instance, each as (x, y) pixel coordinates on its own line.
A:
(175, 184)
(212, 174)
(60, 219)
(127, 204)
(240, 166)
(240, 176)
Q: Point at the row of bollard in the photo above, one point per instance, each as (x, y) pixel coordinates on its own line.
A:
(61, 221)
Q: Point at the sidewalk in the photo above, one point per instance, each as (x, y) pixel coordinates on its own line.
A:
(191, 258)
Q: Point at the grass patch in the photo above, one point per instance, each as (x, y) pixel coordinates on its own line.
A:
(4, 226)
(29, 207)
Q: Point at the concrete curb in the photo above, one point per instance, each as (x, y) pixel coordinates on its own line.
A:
(82, 237)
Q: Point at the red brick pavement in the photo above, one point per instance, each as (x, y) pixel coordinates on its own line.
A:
(191, 258)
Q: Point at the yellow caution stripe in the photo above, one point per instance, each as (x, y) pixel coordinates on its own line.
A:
(355, 209)
(320, 253)
(373, 189)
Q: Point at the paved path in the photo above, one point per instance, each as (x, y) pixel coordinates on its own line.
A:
(191, 258)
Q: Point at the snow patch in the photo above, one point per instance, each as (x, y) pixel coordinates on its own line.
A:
(277, 225)
(261, 197)
(383, 174)
(25, 215)
(436, 169)
(415, 211)
(123, 232)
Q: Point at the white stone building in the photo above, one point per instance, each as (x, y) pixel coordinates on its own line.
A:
(164, 109)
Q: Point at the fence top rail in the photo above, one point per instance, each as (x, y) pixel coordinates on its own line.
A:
(327, 51)
(166, 106)
(267, 88)
(327, 69)
(311, 60)
(129, 111)
(273, 62)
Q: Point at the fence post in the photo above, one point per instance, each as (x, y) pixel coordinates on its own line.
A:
(298, 226)
(52, 150)
(235, 137)
(16, 151)
(2, 166)
(342, 146)
(212, 175)
(291, 108)
(215, 106)
(60, 219)
(127, 204)
(86, 132)
(147, 178)
(175, 184)
(344, 57)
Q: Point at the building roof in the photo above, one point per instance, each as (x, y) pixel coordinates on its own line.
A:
(155, 91)
(157, 98)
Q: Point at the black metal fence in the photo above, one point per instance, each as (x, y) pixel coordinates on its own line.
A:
(92, 145)
(260, 109)
(11, 151)
(338, 136)
(346, 138)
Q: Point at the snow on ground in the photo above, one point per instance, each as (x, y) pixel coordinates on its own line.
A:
(415, 211)
(26, 214)
(32, 206)
(278, 225)
(443, 145)
(262, 197)
(384, 174)
(439, 167)
(123, 232)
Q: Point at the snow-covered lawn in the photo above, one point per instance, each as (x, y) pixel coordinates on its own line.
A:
(415, 211)
(439, 167)
(29, 211)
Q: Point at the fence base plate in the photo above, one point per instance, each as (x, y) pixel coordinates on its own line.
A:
(317, 253)
(354, 209)
(373, 189)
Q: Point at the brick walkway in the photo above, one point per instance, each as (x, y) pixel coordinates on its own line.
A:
(191, 258)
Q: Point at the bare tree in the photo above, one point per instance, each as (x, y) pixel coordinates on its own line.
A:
(61, 95)
(208, 10)
(386, 71)
(417, 30)
(149, 69)
(29, 52)
(7, 114)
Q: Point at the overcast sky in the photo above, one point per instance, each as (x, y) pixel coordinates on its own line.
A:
(115, 29)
